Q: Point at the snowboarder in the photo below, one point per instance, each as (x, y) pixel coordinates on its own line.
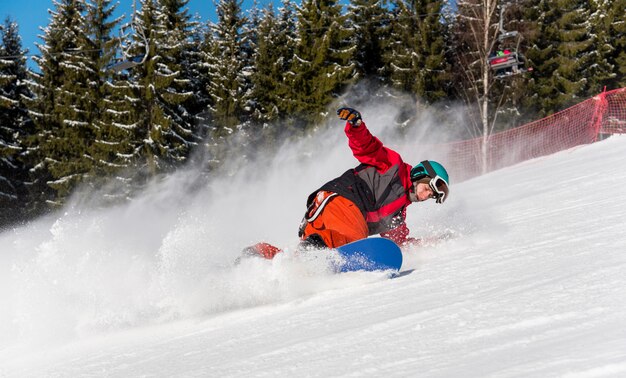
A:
(369, 199)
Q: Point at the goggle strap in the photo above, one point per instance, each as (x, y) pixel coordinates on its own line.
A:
(429, 169)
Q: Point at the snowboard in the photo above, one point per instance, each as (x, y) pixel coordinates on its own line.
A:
(366, 255)
(369, 255)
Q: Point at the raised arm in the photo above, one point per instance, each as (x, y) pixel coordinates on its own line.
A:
(368, 149)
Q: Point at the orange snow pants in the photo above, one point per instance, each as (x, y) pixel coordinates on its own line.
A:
(339, 222)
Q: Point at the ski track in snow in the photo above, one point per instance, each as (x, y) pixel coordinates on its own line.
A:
(530, 285)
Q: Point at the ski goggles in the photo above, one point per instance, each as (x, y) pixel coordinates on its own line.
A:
(440, 188)
(437, 183)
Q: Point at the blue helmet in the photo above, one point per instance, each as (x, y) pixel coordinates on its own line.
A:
(439, 179)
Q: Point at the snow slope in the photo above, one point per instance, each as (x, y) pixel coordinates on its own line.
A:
(531, 285)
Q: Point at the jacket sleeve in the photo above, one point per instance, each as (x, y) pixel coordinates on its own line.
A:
(368, 149)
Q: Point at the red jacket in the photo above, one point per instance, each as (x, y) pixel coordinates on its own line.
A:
(369, 150)
(379, 186)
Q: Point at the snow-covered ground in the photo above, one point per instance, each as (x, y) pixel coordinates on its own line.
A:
(532, 284)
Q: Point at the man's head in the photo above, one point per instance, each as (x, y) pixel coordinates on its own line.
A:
(430, 180)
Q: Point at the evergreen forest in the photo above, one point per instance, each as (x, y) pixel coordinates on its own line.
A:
(79, 120)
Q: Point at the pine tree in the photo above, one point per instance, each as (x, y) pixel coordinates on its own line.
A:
(417, 50)
(266, 76)
(100, 28)
(250, 49)
(322, 65)
(370, 25)
(104, 46)
(598, 69)
(398, 54)
(228, 84)
(161, 137)
(202, 66)
(179, 53)
(63, 106)
(433, 66)
(198, 56)
(14, 122)
(112, 148)
(619, 38)
(272, 60)
(615, 24)
(76, 107)
(251, 27)
(284, 45)
(562, 54)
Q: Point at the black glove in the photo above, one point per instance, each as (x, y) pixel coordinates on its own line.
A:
(348, 114)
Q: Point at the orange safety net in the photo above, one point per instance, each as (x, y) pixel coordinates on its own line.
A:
(577, 125)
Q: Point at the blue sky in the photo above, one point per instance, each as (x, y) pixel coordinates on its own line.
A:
(32, 15)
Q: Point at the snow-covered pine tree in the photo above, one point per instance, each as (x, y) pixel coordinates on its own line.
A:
(433, 81)
(202, 67)
(397, 57)
(100, 28)
(112, 148)
(416, 54)
(273, 58)
(15, 123)
(104, 46)
(562, 52)
(266, 76)
(251, 30)
(370, 26)
(63, 106)
(162, 139)
(198, 57)
(599, 70)
(228, 84)
(285, 47)
(609, 20)
(617, 15)
(178, 54)
(322, 64)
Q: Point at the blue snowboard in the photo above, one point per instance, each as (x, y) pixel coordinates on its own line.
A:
(370, 254)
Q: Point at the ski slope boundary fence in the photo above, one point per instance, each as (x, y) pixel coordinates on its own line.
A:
(580, 124)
